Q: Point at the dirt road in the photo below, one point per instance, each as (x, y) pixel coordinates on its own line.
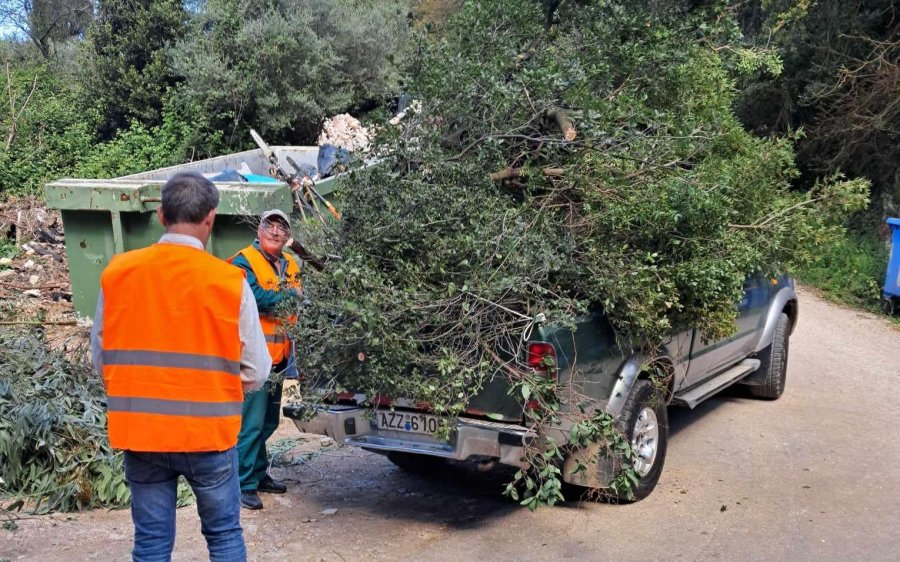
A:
(812, 476)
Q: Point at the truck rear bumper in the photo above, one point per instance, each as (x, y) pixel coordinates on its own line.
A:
(470, 438)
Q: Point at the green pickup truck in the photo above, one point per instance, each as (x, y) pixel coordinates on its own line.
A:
(590, 359)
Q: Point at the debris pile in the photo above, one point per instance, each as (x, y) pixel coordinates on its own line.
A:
(341, 135)
(34, 270)
(54, 455)
(344, 131)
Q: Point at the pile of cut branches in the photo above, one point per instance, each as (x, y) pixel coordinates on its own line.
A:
(54, 453)
(54, 449)
(563, 160)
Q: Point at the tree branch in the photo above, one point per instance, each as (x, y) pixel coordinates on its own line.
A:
(766, 223)
(13, 115)
(510, 173)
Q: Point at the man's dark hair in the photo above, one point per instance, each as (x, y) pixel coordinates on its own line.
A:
(188, 197)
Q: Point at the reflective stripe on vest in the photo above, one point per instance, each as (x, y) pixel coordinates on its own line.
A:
(171, 350)
(174, 407)
(276, 338)
(169, 359)
(273, 328)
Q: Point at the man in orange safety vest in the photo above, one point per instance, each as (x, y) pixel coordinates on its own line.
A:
(274, 277)
(177, 340)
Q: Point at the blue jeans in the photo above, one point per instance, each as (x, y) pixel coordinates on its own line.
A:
(153, 478)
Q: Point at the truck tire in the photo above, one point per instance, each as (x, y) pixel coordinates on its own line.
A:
(416, 464)
(773, 364)
(644, 421)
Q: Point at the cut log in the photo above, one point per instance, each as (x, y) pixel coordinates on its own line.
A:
(506, 174)
(510, 173)
(561, 118)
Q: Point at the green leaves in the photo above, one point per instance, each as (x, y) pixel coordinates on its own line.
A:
(53, 446)
(283, 67)
(50, 134)
(126, 68)
(525, 389)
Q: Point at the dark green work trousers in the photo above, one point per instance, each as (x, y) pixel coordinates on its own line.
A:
(260, 415)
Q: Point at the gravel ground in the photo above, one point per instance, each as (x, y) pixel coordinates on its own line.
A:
(812, 476)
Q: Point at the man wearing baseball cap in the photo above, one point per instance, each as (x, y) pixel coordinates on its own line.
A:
(273, 277)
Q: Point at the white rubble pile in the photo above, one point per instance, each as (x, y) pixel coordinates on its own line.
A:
(344, 131)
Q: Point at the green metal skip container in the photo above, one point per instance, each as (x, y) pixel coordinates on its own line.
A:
(104, 217)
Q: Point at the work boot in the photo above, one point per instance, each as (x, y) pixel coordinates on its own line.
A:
(271, 486)
(250, 500)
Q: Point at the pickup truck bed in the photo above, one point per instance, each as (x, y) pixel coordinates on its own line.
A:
(590, 358)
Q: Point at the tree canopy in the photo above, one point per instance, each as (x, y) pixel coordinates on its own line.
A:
(283, 66)
(840, 84)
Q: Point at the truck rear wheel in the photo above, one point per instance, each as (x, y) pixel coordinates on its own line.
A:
(644, 421)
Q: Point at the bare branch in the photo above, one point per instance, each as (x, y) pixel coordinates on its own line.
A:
(14, 115)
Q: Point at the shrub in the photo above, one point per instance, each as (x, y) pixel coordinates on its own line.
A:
(849, 269)
(282, 67)
(50, 133)
(125, 67)
(138, 149)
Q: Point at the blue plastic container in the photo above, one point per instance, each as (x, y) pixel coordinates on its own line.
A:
(892, 279)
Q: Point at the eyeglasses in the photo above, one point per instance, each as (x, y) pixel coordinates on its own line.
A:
(276, 229)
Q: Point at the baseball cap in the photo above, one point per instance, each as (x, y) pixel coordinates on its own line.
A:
(275, 213)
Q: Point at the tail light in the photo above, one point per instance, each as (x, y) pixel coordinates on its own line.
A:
(541, 356)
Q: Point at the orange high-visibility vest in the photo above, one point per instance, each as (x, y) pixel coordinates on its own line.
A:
(273, 327)
(172, 350)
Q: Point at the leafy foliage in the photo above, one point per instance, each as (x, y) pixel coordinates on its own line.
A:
(46, 135)
(839, 84)
(283, 66)
(841, 70)
(158, 82)
(54, 451)
(488, 213)
(7, 250)
(50, 135)
(851, 269)
(53, 445)
(138, 149)
(126, 69)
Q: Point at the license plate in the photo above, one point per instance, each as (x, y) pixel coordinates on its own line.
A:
(407, 421)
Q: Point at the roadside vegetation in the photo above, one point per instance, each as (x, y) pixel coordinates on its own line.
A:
(157, 82)
(839, 86)
(850, 270)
